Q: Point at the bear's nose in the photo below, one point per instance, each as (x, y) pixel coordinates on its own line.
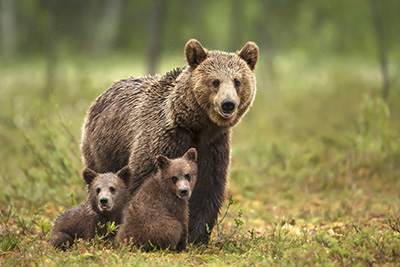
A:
(228, 105)
(184, 191)
(103, 200)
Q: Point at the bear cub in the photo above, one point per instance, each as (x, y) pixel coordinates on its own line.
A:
(158, 214)
(108, 195)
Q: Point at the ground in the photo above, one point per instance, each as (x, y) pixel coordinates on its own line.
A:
(313, 178)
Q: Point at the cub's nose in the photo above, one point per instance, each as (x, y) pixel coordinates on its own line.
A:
(228, 105)
(184, 191)
(103, 200)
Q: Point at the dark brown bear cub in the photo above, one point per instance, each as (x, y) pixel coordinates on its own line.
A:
(139, 118)
(108, 195)
(157, 216)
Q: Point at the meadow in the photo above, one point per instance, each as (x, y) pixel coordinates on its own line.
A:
(314, 177)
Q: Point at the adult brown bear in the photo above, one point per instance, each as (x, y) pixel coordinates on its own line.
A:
(139, 118)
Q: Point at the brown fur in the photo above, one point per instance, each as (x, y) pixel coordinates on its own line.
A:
(158, 213)
(137, 119)
(83, 220)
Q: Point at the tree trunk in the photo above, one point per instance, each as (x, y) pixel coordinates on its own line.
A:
(107, 30)
(8, 31)
(50, 49)
(265, 38)
(382, 48)
(237, 24)
(155, 34)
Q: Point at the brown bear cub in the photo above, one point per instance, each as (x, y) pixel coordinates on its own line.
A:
(108, 195)
(158, 216)
(137, 119)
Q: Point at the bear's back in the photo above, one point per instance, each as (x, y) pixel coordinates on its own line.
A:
(127, 108)
(76, 222)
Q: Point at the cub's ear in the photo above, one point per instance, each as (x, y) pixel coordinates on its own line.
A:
(125, 174)
(195, 53)
(162, 162)
(88, 175)
(249, 53)
(191, 154)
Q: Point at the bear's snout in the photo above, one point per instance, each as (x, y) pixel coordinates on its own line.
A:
(184, 192)
(228, 106)
(103, 200)
(183, 189)
(104, 204)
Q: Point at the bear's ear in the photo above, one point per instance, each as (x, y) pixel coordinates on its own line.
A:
(191, 154)
(249, 53)
(195, 53)
(88, 175)
(125, 174)
(162, 162)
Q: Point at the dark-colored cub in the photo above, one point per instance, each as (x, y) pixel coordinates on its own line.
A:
(108, 195)
(157, 216)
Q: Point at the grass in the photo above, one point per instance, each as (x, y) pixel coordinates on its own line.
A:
(313, 179)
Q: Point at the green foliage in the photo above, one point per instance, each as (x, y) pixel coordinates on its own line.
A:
(314, 172)
(394, 223)
(111, 228)
(373, 138)
(77, 27)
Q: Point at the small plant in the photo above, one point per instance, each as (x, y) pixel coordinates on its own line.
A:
(111, 229)
(8, 239)
(238, 221)
(220, 224)
(394, 223)
(232, 239)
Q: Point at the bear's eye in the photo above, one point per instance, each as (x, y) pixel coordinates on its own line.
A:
(98, 190)
(188, 177)
(236, 82)
(215, 83)
(112, 189)
(174, 179)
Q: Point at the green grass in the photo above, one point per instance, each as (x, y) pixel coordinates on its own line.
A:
(314, 173)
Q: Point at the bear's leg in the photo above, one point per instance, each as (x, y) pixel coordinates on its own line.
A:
(208, 194)
(183, 242)
(62, 240)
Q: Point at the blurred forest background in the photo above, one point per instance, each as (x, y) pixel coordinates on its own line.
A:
(56, 30)
(319, 147)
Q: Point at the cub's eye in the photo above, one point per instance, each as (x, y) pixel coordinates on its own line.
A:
(215, 83)
(112, 189)
(174, 179)
(98, 190)
(236, 82)
(188, 177)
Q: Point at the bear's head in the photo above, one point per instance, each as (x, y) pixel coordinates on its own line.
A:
(108, 192)
(223, 83)
(179, 174)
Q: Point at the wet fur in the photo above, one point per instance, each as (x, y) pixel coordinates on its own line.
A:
(83, 221)
(157, 217)
(139, 118)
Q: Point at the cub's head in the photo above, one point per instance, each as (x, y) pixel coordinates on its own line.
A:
(179, 174)
(108, 192)
(223, 84)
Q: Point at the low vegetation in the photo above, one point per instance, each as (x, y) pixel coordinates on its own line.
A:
(314, 178)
